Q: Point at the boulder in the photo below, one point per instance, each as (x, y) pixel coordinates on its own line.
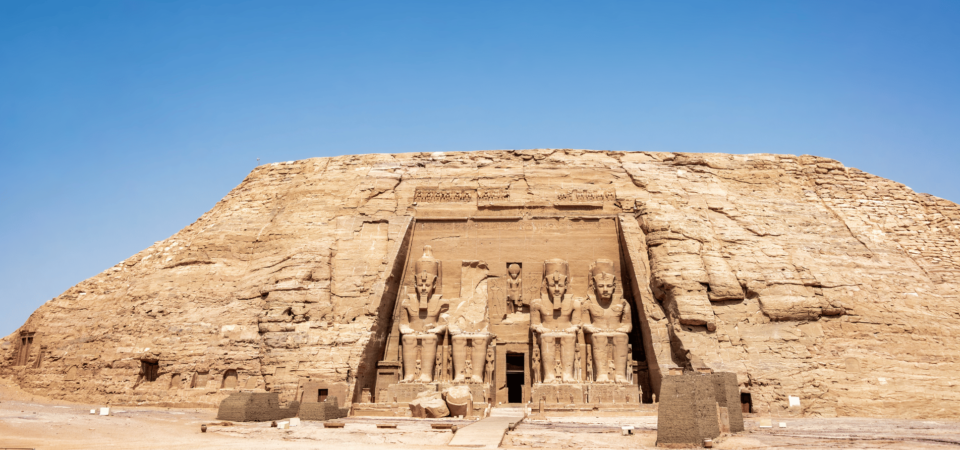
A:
(459, 401)
(429, 405)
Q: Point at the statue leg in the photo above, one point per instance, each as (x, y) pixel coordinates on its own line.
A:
(600, 357)
(479, 358)
(459, 358)
(429, 355)
(567, 355)
(409, 357)
(547, 355)
(620, 344)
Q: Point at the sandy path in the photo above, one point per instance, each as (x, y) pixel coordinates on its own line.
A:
(35, 422)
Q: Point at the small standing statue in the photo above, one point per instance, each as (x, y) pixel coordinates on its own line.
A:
(417, 370)
(577, 364)
(559, 369)
(535, 364)
(468, 368)
(490, 361)
(436, 373)
(449, 365)
(514, 288)
(589, 368)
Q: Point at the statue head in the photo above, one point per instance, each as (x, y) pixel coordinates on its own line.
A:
(427, 270)
(513, 270)
(602, 279)
(555, 276)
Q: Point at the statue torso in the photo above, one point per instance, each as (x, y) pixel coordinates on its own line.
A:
(609, 317)
(556, 319)
(422, 320)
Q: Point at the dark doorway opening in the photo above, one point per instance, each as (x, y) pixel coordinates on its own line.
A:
(150, 370)
(515, 377)
(322, 395)
(746, 402)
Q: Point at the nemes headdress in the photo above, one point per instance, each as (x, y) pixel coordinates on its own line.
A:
(556, 270)
(602, 269)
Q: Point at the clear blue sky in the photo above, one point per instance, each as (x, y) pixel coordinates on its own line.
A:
(123, 121)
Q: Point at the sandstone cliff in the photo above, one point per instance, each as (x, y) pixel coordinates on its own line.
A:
(804, 277)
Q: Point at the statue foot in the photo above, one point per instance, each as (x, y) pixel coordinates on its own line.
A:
(476, 379)
(569, 379)
(425, 379)
(549, 379)
(603, 379)
(622, 379)
(459, 379)
(408, 379)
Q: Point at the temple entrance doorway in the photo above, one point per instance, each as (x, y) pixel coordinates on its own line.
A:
(515, 377)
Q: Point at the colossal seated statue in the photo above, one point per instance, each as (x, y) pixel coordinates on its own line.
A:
(608, 323)
(555, 317)
(421, 321)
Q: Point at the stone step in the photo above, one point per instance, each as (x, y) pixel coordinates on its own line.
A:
(507, 412)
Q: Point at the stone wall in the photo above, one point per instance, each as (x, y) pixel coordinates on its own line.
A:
(802, 276)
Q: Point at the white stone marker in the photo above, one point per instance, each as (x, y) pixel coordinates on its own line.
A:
(783, 424)
(295, 422)
(283, 425)
(93, 411)
(105, 411)
(794, 401)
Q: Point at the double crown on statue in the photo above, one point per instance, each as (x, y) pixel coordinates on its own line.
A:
(427, 271)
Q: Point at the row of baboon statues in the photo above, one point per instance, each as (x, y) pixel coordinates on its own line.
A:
(556, 319)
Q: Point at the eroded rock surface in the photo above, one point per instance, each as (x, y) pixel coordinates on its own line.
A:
(804, 277)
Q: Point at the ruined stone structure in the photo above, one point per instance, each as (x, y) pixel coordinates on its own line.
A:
(563, 276)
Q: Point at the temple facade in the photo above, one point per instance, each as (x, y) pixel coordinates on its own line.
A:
(519, 310)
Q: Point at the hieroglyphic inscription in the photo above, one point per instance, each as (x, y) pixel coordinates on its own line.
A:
(520, 225)
(583, 195)
(497, 296)
(493, 194)
(427, 195)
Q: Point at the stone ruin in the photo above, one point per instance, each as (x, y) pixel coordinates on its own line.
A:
(564, 279)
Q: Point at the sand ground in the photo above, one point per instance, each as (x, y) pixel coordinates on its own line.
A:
(28, 421)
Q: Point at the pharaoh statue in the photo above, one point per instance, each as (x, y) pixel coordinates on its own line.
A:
(514, 288)
(608, 325)
(421, 321)
(555, 318)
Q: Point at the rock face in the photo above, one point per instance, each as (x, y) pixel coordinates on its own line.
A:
(802, 276)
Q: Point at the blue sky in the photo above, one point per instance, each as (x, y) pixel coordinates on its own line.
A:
(123, 121)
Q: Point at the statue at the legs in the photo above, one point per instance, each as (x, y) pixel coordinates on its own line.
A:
(421, 321)
(476, 345)
(555, 318)
(609, 324)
